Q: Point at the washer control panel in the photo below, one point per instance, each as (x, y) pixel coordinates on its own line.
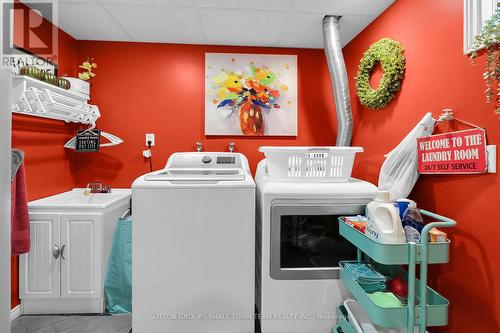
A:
(226, 160)
(204, 160)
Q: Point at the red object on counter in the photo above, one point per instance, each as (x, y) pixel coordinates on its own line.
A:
(20, 222)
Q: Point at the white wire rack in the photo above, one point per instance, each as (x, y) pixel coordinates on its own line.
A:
(36, 98)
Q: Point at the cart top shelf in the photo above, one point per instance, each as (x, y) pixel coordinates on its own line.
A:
(393, 254)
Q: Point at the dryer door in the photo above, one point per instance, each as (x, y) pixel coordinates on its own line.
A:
(305, 241)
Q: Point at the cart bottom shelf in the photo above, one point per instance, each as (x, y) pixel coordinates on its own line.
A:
(396, 317)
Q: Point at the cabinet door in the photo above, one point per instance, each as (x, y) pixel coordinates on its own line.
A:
(39, 269)
(81, 256)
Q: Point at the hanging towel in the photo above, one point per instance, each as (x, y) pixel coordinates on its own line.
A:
(20, 223)
(16, 159)
(118, 282)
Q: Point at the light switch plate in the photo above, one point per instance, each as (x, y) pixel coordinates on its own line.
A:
(150, 137)
(492, 158)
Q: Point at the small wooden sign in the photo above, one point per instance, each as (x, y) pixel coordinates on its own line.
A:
(462, 152)
(88, 141)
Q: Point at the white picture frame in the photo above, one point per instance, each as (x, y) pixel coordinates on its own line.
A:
(278, 118)
(476, 13)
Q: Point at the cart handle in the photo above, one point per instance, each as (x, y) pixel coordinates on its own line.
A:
(443, 222)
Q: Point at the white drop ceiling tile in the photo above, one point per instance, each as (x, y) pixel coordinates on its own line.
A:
(277, 5)
(159, 24)
(141, 2)
(302, 30)
(115, 2)
(175, 3)
(242, 27)
(127, 2)
(341, 7)
(89, 21)
(285, 23)
(135, 20)
(351, 26)
(72, 1)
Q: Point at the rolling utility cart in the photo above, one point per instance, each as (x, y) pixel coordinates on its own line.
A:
(431, 309)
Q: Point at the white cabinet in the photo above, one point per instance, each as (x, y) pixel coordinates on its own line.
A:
(40, 269)
(81, 255)
(65, 268)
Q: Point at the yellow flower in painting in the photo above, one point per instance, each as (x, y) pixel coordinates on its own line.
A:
(283, 87)
(220, 78)
(233, 81)
(264, 76)
(222, 93)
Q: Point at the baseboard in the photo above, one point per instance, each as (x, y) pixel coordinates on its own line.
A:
(15, 312)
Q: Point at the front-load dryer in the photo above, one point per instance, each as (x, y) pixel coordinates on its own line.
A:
(194, 246)
(298, 248)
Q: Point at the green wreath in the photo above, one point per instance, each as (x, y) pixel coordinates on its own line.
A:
(389, 53)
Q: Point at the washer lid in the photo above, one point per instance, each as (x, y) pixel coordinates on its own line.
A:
(197, 174)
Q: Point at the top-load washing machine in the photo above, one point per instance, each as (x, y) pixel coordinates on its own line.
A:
(194, 246)
(298, 245)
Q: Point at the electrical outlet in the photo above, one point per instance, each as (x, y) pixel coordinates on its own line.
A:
(150, 137)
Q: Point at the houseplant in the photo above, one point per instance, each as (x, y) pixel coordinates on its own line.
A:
(489, 39)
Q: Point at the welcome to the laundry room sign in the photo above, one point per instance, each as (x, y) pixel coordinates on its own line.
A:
(453, 153)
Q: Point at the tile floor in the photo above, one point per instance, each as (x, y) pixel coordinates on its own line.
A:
(72, 324)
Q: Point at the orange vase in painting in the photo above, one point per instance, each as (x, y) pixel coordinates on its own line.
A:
(251, 119)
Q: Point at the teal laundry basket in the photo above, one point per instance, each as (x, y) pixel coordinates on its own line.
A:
(118, 282)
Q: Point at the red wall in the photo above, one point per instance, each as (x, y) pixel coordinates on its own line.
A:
(49, 167)
(438, 75)
(159, 88)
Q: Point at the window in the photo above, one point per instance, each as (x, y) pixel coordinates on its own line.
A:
(476, 12)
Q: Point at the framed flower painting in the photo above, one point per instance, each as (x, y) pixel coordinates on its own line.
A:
(250, 94)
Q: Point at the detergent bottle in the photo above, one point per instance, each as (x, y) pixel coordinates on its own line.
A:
(413, 223)
(384, 223)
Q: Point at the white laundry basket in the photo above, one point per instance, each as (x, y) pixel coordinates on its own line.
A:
(310, 164)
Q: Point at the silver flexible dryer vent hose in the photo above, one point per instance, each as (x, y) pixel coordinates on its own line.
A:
(338, 73)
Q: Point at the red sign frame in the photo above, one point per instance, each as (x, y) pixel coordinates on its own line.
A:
(461, 152)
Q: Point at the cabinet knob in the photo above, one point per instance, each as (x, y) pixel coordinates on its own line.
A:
(62, 251)
(56, 251)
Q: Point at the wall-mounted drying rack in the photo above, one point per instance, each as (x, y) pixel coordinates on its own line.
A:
(40, 99)
(37, 98)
